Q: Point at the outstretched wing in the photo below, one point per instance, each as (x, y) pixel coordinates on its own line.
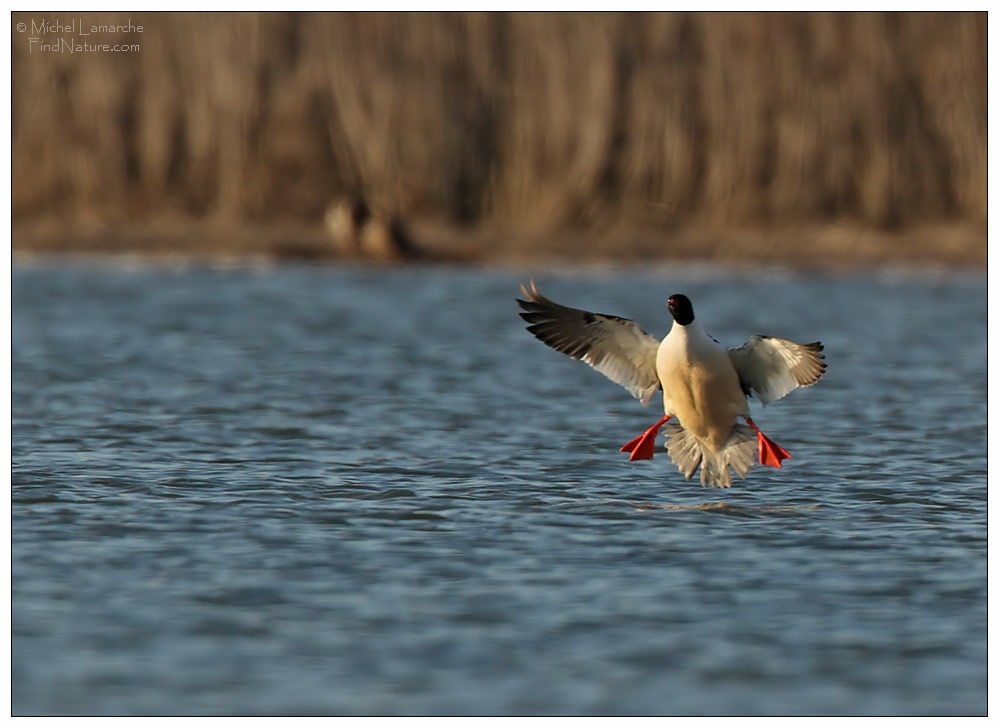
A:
(614, 346)
(773, 367)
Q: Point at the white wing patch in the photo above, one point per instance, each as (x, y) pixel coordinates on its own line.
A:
(772, 367)
(614, 346)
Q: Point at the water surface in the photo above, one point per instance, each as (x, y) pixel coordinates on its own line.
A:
(357, 490)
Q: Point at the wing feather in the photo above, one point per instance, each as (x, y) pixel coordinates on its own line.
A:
(614, 346)
(772, 367)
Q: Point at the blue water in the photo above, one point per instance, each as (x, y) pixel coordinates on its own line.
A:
(370, 491)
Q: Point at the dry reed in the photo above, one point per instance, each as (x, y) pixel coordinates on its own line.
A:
(517, 120)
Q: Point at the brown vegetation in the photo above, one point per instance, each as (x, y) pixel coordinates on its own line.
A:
(520, 122)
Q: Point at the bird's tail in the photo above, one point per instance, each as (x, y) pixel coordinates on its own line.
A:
(687, 452)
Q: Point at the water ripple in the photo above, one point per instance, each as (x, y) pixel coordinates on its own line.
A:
(367, 491)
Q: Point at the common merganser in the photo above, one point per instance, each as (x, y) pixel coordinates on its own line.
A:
(704, 385)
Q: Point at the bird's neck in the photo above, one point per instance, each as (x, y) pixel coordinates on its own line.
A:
(691, 332)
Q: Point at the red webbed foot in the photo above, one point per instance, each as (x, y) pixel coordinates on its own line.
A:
(770, 452)
(644, 446)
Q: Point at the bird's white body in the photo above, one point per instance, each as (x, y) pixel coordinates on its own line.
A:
(702, 395)
(700, 385)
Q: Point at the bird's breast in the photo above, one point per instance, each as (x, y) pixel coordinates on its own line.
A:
(700, 387)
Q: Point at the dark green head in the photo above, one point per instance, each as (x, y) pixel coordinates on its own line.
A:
(681, 308)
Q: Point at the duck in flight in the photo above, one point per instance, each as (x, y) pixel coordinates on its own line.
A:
(704, 385)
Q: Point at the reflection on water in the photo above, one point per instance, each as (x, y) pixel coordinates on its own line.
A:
(722, 506)
(353, 490)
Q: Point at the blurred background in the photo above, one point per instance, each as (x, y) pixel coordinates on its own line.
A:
(807, 137)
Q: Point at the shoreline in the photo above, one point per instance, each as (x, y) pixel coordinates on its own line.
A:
(834, 247)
